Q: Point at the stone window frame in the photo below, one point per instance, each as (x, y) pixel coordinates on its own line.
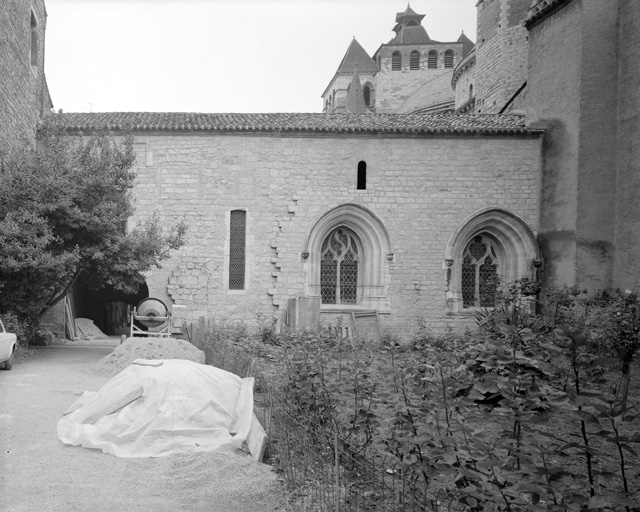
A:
(377, 255)
(515, 244)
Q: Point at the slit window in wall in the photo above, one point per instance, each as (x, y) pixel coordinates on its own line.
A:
(34, 41)
(362, 175)
(366, 90)
(237, 249)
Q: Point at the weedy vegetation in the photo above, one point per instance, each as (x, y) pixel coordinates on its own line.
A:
(536, 410)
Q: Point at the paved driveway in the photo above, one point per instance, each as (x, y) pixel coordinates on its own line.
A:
(38, 473)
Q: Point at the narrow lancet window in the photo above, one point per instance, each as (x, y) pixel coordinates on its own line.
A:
(237, 249)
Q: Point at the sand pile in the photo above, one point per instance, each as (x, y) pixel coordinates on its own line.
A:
(148, 348)
(86, 329)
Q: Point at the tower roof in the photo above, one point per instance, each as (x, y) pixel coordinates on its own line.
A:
(467, 44)
(409, 13)
(357, 57)
(409, 29)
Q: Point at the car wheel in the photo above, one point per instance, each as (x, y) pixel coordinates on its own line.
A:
(8, 364)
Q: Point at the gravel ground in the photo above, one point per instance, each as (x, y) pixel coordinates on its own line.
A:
(40, 473)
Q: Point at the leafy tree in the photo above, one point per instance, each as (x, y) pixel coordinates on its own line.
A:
(64, 206)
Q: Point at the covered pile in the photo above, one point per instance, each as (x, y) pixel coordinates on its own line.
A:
(155, 408)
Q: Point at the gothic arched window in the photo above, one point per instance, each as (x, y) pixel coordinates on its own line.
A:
(396, 61)
(488, 249)
(339, 268)
(479, 273)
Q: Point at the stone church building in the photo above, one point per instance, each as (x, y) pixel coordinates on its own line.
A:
(397, 217)
(381, 215)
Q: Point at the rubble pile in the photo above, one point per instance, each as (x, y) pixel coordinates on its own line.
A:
(148, 348)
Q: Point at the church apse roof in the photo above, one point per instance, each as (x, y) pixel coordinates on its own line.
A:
(297, 123)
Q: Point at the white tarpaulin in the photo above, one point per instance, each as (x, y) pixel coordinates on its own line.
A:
(160, 407)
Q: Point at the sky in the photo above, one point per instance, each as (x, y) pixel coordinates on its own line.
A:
(218, 55)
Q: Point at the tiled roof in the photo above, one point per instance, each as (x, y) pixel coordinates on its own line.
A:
(313, 123)
(415, 34)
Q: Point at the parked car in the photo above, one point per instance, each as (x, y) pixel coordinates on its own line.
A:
(8, 347)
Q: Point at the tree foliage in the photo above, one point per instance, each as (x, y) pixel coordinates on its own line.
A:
(64, 207)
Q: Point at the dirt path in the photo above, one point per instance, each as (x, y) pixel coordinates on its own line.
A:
(39, 473)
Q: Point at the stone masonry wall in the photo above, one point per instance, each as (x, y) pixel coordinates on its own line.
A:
(421, 189)
(466, 79)
(553, 93)
(627, 270)
(502, 53)
(22, 85)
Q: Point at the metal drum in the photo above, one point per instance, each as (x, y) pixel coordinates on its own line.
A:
(151, 312)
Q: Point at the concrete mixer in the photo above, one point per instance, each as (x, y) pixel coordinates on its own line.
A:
(151, 313)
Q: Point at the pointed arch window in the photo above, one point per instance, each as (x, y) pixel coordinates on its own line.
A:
(396, 61)
(432, 59)
(488, 249)
(414, 62)
(479, 273)
(340, 260)
(448, 59)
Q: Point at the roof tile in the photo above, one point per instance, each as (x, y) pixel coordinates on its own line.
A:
(414, 124)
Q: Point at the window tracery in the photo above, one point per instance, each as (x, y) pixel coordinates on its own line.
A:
(479, 273)
(339, 268)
